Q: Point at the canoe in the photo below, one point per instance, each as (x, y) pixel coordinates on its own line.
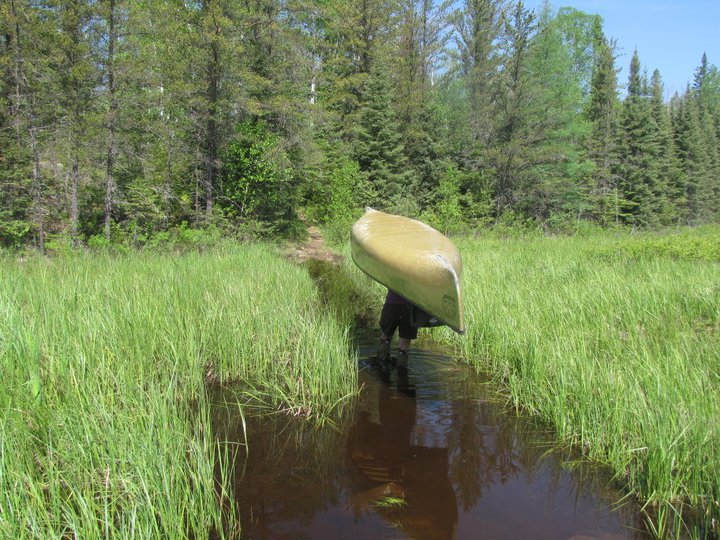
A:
(416, 261)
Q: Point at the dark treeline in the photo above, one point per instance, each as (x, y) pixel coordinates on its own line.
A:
(124, 120)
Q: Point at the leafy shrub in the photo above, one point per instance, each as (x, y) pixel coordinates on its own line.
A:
(702, 244)
(257, 181)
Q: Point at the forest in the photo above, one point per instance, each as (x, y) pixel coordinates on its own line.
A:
(127, 122)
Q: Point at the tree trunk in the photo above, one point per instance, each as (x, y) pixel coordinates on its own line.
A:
(74, 212)
(38, 211)
(211, 144)
(111, 150)
(18, 69)
(37, 189)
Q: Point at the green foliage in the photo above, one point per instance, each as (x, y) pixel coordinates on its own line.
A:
(379, 148)
(640, 147)
(236, 115)
(256, 181)
(700, 244)
(106, 361)
(447, 214)
(60, 244)
(619, 354)
(342, 200)
(560, 71)
(14, 232)
(601, 112)
(696, 134)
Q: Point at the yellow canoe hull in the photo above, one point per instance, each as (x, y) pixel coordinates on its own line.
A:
(416, 261)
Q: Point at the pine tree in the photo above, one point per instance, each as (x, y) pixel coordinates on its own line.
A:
(554, 129)
(511, 154)
(639, 149)
(478, 26)
(357, 33)
(421, 38)
(601, 111)
(379, 149)
(694, 126)
(159, 173)
(78, 80)
(670, 189)
(110, 13)
(706, 92)
(15, 126)
(690, 151)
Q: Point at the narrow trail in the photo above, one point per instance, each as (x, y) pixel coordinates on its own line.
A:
(313, 248)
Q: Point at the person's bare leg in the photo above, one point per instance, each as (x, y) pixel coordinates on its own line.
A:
(404, 344)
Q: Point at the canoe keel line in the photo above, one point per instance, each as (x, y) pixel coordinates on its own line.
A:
(416, 261)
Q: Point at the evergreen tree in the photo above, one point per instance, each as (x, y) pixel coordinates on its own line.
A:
(559, 70)
(421, 37)
(694, 127)
(670, 189)
(601, 111)
(706, 91)
(639, 147)
(357, 32)
(78, 80)
(159, 171)
(114, 30)
(379, 149)
(511, 154)
(15, 126)
(478, 26)
(690, 150)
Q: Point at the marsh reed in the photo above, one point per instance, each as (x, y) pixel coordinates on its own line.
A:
(105, 361)
(615, 342)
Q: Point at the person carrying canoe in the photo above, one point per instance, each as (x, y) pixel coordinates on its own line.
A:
(396, 314)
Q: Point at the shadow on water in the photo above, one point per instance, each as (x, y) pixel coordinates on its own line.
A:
(426, 452)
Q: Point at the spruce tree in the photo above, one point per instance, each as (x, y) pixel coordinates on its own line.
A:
(670, 189)
(511, 153)
(691, 152)
(478, 25)
(697, 142)
(602, 112)
(379, 148)
(554, 187)
(15, 157)
(421, 36)
(639, 147)
(78, 81)
(706, 92)
(356, 32)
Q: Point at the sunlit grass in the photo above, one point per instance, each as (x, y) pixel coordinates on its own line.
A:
(618, 348)
(105, 361)
(390, 502)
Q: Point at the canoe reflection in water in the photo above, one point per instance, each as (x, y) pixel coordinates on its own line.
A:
(404, 482)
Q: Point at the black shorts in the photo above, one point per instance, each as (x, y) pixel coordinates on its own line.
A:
(394, 316)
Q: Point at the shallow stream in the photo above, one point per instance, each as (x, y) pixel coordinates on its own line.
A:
(427, 452)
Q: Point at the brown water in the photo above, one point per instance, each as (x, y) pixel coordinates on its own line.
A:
(427, 452)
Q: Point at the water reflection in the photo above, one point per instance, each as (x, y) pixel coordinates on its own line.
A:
(427, 452)
(397, 476)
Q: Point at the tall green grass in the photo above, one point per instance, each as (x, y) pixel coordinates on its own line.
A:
(613, 340)
(104, 365)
